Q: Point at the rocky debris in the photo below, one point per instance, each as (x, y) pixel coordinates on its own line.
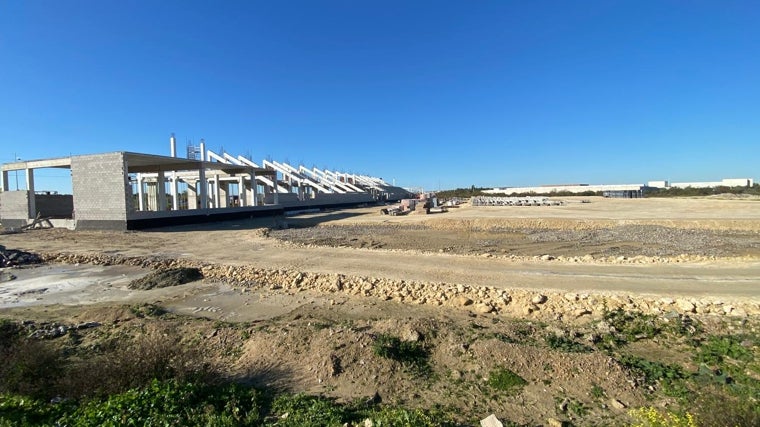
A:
(13, 257)
(374, 399)
(491, 421)
(411, 334)
(167, 277)
(615, 403)
(477, 299)
(611, 243)
(6, 276)
(50, 330)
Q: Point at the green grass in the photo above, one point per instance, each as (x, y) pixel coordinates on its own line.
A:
(716, 349)
(412, 355)
(186, 403)
(566, 345)
(506, 380)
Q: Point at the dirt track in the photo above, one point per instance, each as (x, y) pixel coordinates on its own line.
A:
(424, 254)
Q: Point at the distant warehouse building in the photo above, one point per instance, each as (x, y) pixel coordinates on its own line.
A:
(608, 190)
(726, 182)
(629, 191)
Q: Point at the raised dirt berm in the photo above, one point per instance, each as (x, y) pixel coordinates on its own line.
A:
(546, 304)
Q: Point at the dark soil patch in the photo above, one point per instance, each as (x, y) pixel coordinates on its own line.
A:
(166, 278)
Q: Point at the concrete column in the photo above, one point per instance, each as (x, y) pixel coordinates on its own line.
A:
(140, 193)
(175, 190)
(224, 194)
(203, 186)
(211, 197)
(30, 191)
(192, 195)
(4, 184)
(254, 190)
(241, 191)
(161, 191)
(217, 199)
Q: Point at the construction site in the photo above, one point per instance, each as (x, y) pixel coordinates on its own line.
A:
(124, 190)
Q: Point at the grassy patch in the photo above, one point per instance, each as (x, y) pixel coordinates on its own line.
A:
(175, 402)
(505, 380)
(147, 310)
(597, 392)
(670, 378)
(566, 345)
(715, 349)
(410, 354)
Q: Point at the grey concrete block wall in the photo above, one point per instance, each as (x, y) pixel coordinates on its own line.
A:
(323, 198)
(54, 205)
(291, 199)
(14, 205)
(282, 199)
(100, 191)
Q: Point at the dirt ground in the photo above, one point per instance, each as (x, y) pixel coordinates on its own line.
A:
(322, 343)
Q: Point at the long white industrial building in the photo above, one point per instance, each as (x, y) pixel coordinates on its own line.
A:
(582, 188)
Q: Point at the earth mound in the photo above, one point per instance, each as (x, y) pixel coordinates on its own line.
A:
(167, 277)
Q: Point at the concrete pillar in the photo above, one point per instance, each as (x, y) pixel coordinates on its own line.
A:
(175, 190)
(241, 191)
(203, 150)
(217, 199)
(173, 143)
(192, 195)
(140, 193)
(224, 194)
(211, 198)
(30, 190)
(203, 186)
(161, 191)
(4, 184)
(254, 190)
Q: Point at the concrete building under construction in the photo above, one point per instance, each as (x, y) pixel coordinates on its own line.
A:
(124, 190)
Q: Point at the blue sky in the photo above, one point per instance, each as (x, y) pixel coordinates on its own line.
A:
(433, 94)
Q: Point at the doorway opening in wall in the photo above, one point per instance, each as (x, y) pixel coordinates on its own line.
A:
(53, 194)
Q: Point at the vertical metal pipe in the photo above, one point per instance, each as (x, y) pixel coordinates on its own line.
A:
(173, 143)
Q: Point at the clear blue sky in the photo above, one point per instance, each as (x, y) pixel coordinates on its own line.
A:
(438, 94)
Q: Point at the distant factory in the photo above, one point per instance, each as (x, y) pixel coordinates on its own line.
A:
(620, 190)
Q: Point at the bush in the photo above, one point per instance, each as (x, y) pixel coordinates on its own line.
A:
(30, 367)
(127, 364)
(171, 403)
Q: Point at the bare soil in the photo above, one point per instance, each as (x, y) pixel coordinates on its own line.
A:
(322, 343)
